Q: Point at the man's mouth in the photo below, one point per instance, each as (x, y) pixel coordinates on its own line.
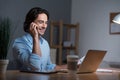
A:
(41, 30)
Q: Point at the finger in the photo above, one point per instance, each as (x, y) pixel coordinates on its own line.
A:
(35, 24)
(31, 26)
(34, 27)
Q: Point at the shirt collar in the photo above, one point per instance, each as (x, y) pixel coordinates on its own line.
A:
(30, 39)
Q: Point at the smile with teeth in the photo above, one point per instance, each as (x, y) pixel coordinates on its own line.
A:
(41, 30)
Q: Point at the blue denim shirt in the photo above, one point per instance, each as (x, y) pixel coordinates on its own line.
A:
(26, 60)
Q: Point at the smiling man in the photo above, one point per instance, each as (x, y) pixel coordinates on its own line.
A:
(31, 51)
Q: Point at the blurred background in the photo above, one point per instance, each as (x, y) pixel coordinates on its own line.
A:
(93, 17)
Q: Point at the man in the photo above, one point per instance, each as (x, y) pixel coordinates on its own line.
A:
(31, 51)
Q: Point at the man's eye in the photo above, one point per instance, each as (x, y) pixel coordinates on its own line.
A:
(41, 22)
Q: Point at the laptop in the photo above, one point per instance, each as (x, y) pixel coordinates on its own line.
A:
(91, 61)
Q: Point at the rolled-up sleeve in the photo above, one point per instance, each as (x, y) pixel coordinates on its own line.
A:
(28, 60)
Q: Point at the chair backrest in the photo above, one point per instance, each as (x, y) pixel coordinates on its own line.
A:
(53, 55)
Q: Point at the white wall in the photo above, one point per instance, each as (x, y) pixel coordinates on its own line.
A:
(93, 16)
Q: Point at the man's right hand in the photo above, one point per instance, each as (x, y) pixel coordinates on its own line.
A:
(33, 30)
(34, 33)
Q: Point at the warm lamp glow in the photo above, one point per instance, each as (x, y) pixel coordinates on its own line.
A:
(116, 19)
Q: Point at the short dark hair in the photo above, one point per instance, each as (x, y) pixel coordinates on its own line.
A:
(32, 15)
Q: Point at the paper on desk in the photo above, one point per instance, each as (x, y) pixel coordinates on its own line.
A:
(104, 70)
(81, 60)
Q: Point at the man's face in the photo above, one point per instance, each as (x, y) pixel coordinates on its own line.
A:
(42, 22)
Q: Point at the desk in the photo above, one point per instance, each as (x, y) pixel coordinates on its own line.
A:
(16, 75)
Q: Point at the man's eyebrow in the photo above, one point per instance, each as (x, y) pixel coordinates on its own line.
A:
(42, 20)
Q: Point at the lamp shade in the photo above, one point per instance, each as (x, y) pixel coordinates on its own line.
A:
(116, 19)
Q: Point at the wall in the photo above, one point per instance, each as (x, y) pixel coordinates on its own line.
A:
(93, 16)
(17, 9)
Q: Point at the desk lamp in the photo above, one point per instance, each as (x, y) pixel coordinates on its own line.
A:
(117, 19)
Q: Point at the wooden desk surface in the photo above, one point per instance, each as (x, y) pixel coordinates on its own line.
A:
(16, 75)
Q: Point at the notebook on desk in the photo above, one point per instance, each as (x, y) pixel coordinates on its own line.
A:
(91, 61)
(40, 72)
